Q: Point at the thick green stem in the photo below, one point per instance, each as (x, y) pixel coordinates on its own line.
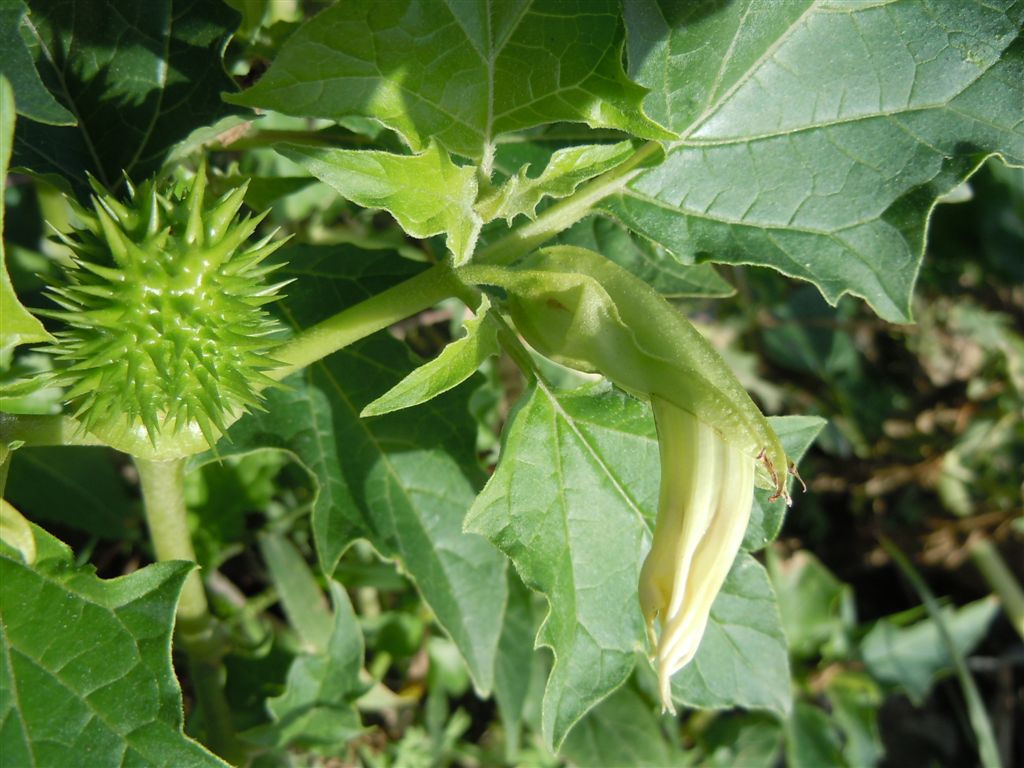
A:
(564, 214)
(993, 568)
(163, 494)
(374, 314)
(43, 430)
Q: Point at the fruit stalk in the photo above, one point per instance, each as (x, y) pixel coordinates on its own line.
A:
(163, 494)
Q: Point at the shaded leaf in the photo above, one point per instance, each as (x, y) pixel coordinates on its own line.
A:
(514, 661)
(402, 481)
(855, 700)
(816, 137)
(139, 77)
(913, 657)
(317, 709)
(461, 74)
(74, 486)
(300, 595)
(622, 730)
(817, 609)
(33, 100)
(812, 739)
(85, 672)
(750, 740)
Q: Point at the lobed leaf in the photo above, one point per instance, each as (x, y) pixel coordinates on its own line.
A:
(460, 73)
(572, 504)
(85, 664)
(815, 137)
(138, 77)
(33, 100)
(566, 169)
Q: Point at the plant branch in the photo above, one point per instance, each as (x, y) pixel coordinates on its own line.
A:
(567, 212)
(369, 316)
(44, 430)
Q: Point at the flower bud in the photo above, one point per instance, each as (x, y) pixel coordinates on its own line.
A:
(707, 487)
(584, 311)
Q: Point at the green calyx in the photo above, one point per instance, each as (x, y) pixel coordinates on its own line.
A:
(166, 338)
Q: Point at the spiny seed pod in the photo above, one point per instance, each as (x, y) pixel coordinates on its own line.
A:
(166, 337)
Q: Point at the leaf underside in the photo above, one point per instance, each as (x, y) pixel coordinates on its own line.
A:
(816, 136)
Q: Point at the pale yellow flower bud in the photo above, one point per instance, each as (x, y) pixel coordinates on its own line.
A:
(707, 488)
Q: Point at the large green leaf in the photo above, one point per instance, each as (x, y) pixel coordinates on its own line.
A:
(742, 660)
(461, 73)
(816, 136)
(426, 193)
(34, 101)
(80, 487)
(138, 77)
(571, 503)
(85, 665)
(402, 481)
(18, 326)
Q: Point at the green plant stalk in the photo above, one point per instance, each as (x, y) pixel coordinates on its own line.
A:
(43, 430)
(369, 316)
(1002, 581)
(440, 282)
(163, 494)
(988, 752)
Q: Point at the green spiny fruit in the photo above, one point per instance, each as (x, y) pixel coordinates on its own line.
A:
(166, 339)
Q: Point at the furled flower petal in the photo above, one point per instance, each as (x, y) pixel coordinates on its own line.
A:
(707, 488)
